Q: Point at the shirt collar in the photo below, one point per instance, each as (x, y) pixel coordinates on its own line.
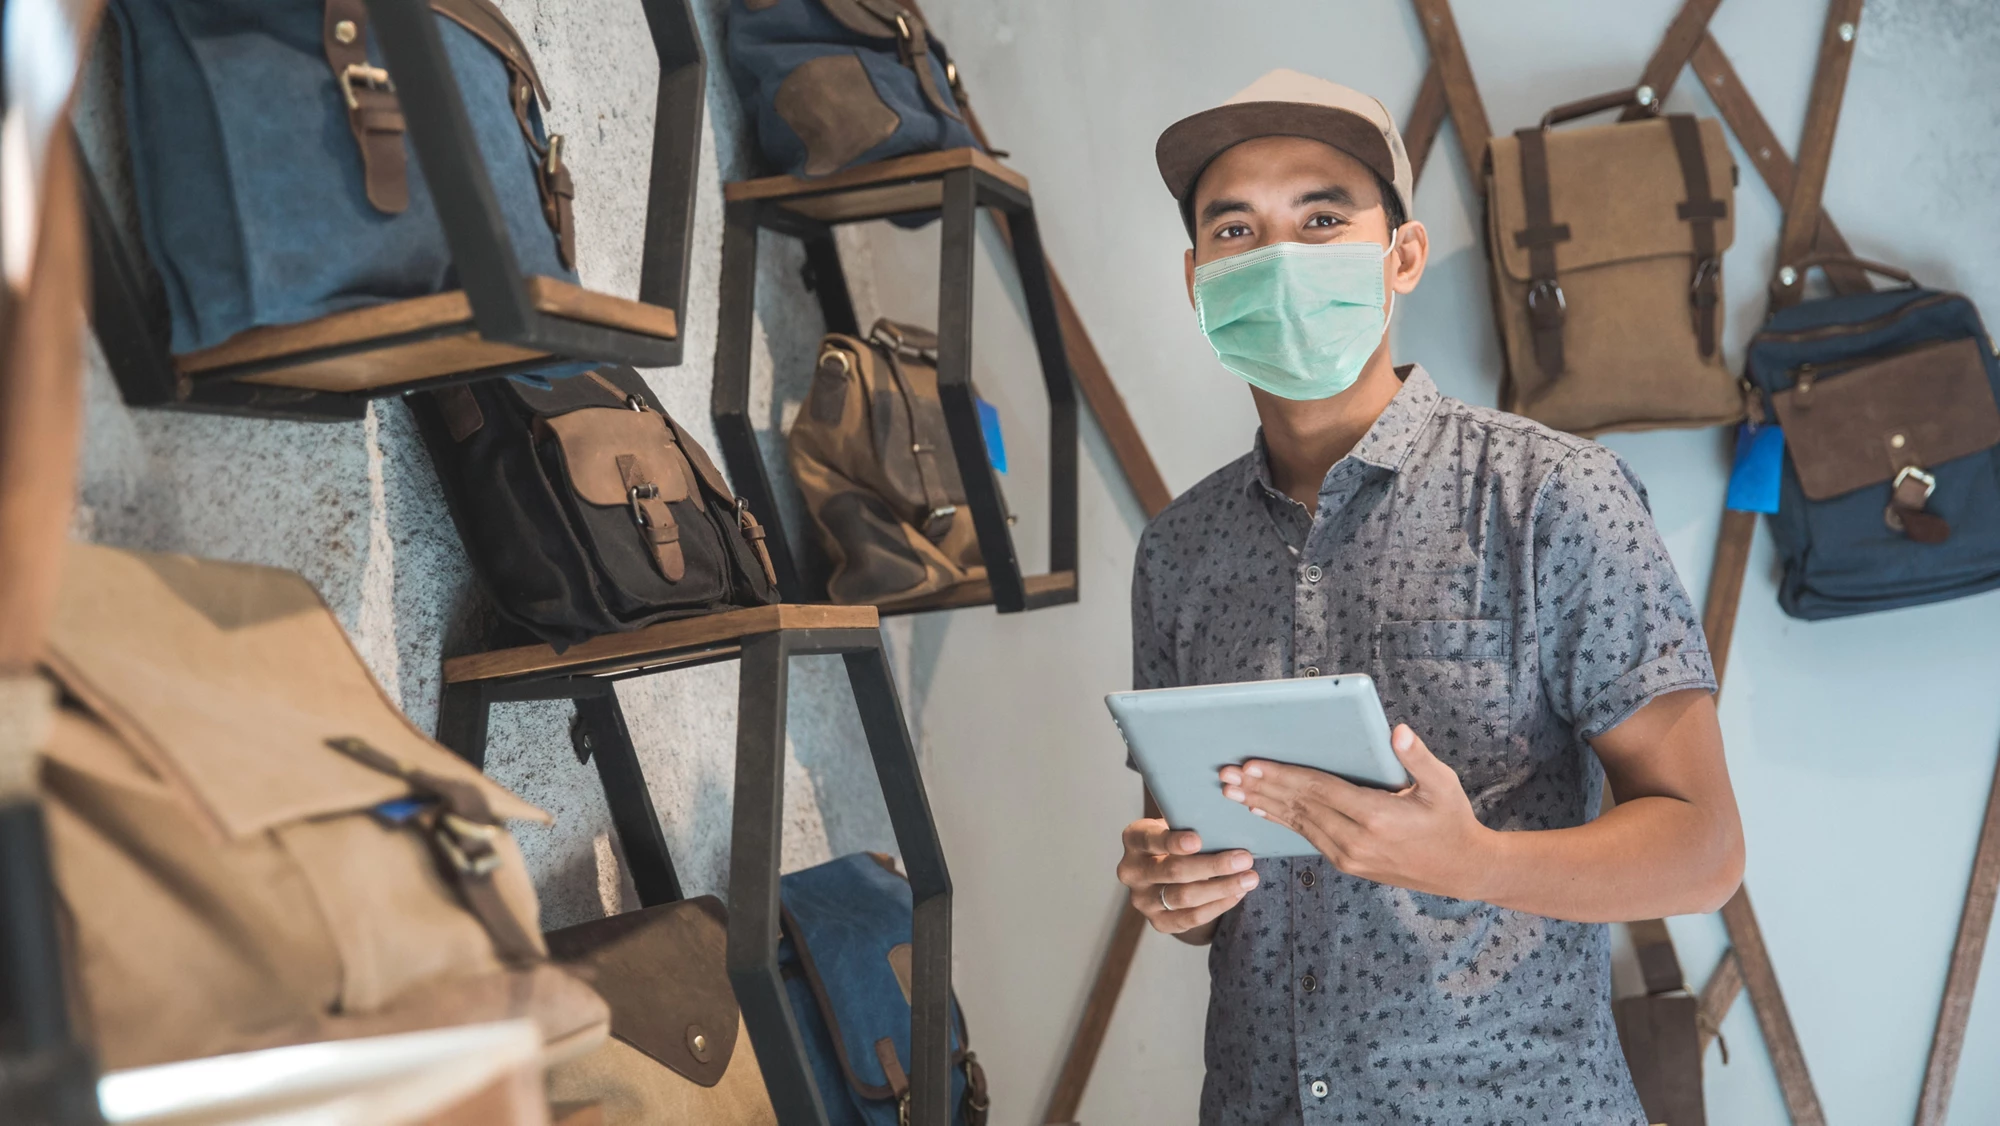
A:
(1388, 442)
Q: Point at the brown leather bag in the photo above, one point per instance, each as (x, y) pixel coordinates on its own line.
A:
(1606, 244)
(678, 1052)
(253, 847)
(871, 454)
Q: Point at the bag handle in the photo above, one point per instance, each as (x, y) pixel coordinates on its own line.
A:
(1616, 99)
(1825, 258)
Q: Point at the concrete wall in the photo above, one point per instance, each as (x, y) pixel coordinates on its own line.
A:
(1861, 749)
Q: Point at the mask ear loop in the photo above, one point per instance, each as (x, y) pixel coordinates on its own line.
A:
(1390, 249)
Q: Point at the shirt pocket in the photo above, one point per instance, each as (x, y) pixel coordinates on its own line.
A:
(1451, 681)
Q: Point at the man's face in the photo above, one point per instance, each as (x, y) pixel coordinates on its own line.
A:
(1290, 189)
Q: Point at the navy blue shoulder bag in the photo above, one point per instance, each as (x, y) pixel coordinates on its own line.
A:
(846, 962)
(273, 179)
(1890, 494)
(836, 83)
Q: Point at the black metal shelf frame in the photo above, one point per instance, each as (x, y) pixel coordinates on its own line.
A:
(132, 328)
(756, 839)
(965, 190)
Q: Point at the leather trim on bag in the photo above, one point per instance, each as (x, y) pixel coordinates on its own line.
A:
(1702, 211)
(460, 410)
(1546, 304)
(374, 115)
(833, 106)
(1842, 426)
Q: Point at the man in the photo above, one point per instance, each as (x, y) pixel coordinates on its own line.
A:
(1444, 958)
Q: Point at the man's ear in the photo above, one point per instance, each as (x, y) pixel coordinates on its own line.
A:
(1407, 260)
(1188, 260)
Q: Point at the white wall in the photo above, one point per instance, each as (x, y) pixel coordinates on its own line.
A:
(1862, 750)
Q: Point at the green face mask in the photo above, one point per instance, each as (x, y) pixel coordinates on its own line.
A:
(1297, 319)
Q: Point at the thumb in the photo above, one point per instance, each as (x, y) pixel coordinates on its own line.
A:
(1417, 758)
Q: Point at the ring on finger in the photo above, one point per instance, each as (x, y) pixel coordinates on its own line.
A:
(1164, 905)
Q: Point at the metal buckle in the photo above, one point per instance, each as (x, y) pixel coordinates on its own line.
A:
(454, 833)
(1705, 272)
(1909, 471)
(1539, 295)
(552, 160)
(374, 77)
(939, 521)
(637, 493)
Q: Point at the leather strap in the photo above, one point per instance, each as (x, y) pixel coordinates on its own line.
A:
(1962, 979)
(1688, 26)
(939, 510)
(374, 115)
(892, 1067)
(1767, 154)
(1701, 211)
(1908, 497)
(463, 829)
(655, 517)
(1836, 52)
(1657, 961)
(1546, 304)
(913, 45)
(1425, 118)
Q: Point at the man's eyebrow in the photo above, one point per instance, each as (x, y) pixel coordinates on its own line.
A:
(1220, 207)
(1334, 194)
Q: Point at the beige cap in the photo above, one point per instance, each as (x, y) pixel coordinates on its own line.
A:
(1285, 103)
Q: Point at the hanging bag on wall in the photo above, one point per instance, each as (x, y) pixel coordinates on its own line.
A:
(677, 1052)
(586, 509)
(253, 846)
(273, 178)
(1606, 245)
(837, 83)
(871, 453)
(845, 958)
(1890, 494)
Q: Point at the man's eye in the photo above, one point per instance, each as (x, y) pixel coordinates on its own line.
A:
(1323, 221)
(1233, 230)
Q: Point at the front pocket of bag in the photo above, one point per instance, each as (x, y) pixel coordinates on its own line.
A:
(834, 108)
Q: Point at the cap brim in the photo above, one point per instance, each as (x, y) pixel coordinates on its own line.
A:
(1188, 145)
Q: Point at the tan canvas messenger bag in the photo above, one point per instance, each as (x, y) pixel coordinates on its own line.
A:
(253, 847)
(1606, 244)
(874, 460)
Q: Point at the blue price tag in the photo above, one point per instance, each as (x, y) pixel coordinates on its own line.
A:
(1760, 457)
(989, 428)
(398, 811)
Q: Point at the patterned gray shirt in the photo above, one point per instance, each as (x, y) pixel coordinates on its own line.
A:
(1504, 585)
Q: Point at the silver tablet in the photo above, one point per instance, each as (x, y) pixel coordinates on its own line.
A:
(1180, 738)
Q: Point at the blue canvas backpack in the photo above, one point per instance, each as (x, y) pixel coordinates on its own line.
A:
(273, 179)
(836, 83)
(845, 958)
(1890, 493)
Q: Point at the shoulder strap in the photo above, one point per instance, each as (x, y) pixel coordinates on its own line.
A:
(1836, 52)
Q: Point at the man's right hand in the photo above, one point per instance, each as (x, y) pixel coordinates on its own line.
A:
(1179, 890)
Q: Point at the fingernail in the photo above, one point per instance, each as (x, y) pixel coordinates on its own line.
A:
(1248, 880)
(1232, 793)
(1254, 771)
(1188, 842)
(1258, 812)
(1403, 736)
(1239, 862)
(1232, 775)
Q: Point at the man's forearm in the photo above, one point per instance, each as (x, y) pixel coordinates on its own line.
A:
(1645, 859)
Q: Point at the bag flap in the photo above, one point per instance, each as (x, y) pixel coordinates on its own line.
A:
(1617, 187)
(849, 921)
(873, 18)
(665, 972)
(1863, 424)
(228, 679)
(593, 440)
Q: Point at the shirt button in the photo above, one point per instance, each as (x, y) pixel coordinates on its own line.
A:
(1313, 572)
(1309, 983)
(1311, 670)
(1307, 878)
(1319, 1088)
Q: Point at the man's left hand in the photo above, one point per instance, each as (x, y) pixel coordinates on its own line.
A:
(1423, 837)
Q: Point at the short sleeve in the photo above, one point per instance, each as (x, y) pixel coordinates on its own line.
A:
(1614, 626)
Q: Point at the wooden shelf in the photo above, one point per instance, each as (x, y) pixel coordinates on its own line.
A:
(681, 641)
(1053, 589)
(405, 341)
(872, 191)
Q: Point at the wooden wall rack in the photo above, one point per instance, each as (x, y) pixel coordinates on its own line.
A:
(502, 323)
(956, 182)
(763, 639)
